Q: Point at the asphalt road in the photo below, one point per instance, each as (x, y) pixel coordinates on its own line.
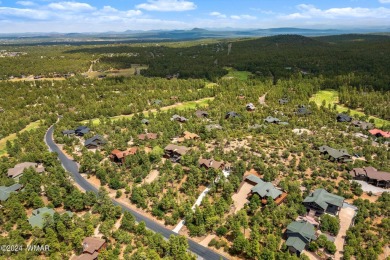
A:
(71, 167)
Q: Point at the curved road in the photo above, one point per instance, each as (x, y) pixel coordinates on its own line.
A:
(71, 166)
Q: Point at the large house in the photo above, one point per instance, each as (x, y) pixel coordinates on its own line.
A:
(201, 113)
(5, 192)
(372, 176)
(91, 248)
(38, 216)
(339, 155)
(271, 119)
(379, 133)
(178, 118)
(94, 142)
(148, 136)
(188, 136)
(120, 156)
(17, 171)
(343, 118)
(213, 127)
(79, 131)
(210, 163)
(250, 107)
(175, 152)
(303, 110)
(320, 201)
(265, 190)
(231, 114)
(361, 124)
(299, 234)
(283, 101)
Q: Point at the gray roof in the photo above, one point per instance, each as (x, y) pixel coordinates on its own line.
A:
(283, 101)
(231, 114)
(213, 126)
(179, 118)
(5, 192)
(343, 118)
(335, 153)
(271, 119)
(95, 141)
(145, 121)
(323, 198)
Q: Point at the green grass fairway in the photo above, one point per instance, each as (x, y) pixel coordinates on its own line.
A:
(332, 97)
(241, 75)
(11, 137)
(204, 102)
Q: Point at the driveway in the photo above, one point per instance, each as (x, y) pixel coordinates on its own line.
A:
(346, 216)
(368, 187)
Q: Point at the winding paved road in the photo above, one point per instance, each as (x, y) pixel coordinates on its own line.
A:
(71, 166)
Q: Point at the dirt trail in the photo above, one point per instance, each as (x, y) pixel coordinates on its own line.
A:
(262, 100)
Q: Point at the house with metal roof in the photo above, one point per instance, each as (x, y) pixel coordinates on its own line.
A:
(339, 155)
(361, 124)
(94, 142)
(299, 234)
(271, 119)
(201, 113)
(265, 189)
(82, 130)
(231, 114)
(5, 192)
(213, 126)
(343, 118)
(178, 118)
(379, 133)
(283, 101)
(320, 201)
(38, 216)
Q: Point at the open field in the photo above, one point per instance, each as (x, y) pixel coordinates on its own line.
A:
(332, 97)
(11, 137)
(115, 73)
(179, 106)
(241, 75)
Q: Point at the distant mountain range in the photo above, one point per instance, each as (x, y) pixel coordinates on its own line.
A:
(193, 34)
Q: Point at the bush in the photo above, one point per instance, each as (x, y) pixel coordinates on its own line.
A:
(330, 224)
(221, 231)
(330, 247)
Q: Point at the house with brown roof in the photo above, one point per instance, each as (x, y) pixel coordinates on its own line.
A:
(379, 133)
(120, 156)
(372, 176)
(188, 136)
(17, 171)
(211, 163)
(91, 248)
(148, 136)
(175, 152)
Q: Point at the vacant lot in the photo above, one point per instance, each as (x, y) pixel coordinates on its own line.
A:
(332, 97)
(11, 137)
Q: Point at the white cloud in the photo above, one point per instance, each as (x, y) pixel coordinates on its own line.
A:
(71, 6)
(24, 13)
(244, 16)
(310, 11)
(217, 14)
(25, 3)
(384, 1)
(167, 5)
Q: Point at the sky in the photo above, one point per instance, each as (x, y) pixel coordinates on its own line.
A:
(121, 15)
